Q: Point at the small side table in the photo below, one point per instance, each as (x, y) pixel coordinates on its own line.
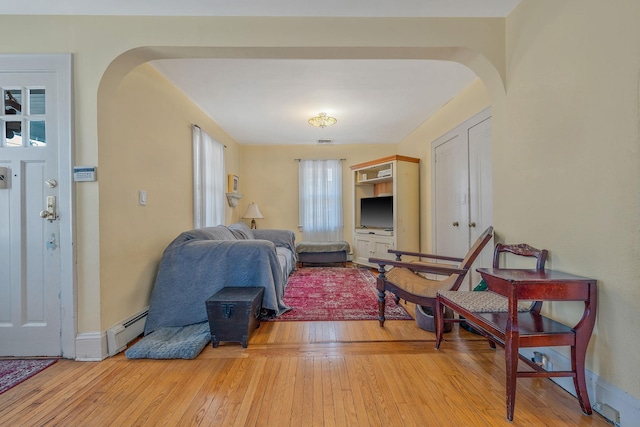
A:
(233, 314)
(530, 329)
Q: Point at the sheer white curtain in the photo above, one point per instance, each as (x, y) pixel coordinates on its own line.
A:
(208, 180)
(320, 187)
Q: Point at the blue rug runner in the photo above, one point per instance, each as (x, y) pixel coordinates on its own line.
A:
(184, 342)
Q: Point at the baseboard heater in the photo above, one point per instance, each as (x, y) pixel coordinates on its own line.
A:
(123, 333)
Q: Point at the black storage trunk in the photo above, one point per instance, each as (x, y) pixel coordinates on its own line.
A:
(233, 314)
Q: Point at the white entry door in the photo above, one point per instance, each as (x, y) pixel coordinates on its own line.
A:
(462, 190)
(31, 294)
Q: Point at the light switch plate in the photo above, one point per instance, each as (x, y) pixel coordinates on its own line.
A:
(142, 198)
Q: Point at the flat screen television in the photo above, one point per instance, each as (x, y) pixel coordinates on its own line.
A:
(376, 212)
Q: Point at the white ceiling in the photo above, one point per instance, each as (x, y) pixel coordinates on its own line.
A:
(263, 101)
(270, 101)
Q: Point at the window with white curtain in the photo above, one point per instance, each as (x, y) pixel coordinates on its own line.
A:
(320, 210)
(208, 180)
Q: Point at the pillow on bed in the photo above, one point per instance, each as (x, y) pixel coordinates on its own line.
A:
(242, 231)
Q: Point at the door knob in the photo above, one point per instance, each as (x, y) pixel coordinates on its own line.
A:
(472, 224)
(455, 223)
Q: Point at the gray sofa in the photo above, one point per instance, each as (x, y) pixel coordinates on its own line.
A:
(200, 262)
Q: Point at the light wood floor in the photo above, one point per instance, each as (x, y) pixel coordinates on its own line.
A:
(298, 374)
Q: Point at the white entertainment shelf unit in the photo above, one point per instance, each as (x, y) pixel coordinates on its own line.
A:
(397, 176)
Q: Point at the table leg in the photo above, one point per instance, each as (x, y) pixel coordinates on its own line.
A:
(583, 332)
(579, 380)
(438, 313)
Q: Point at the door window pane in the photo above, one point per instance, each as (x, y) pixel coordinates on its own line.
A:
(12, 102)
(28, 128)
(14, 134)
(37, 134)
(37, 101)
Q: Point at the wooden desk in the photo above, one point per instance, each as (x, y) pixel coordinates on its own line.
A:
(514, 330)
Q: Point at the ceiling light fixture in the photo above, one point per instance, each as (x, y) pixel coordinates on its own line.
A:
(322, 120)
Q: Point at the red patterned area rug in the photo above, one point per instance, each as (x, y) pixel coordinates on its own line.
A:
(15, 371)
(333, 293)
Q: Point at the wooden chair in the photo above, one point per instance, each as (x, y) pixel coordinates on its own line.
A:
(483, 302)
(405, 282)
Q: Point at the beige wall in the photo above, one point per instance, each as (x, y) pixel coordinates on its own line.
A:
(565, 134)
(567, 177)
(149, 148)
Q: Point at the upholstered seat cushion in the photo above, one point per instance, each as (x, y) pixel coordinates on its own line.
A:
(417, 284)
(482, 301)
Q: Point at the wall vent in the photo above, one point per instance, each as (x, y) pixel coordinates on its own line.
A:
(325, 141)
(123, 333)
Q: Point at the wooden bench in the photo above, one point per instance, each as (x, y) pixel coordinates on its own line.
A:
(517, 326)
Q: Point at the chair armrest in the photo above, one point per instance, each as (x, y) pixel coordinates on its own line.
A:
(417, 254)
(421, 267)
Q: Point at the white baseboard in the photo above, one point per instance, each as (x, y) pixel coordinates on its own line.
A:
(91, 347)
(601, 392)
(94, 346)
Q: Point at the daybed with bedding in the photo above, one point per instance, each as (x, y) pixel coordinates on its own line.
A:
(200, 262)
(322, 252)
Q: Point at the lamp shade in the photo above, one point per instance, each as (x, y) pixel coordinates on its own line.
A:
(252, 212)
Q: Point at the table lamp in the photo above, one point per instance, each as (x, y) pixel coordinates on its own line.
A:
(252, 213)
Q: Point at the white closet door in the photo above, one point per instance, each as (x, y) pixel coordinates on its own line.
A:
(462, 190)
(480, 191)
(450, 197)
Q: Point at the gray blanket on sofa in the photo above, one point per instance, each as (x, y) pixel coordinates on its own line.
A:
(196, 265)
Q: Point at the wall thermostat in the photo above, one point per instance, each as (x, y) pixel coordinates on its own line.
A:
(84, 173)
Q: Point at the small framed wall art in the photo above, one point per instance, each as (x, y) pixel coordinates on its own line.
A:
(233, 183)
